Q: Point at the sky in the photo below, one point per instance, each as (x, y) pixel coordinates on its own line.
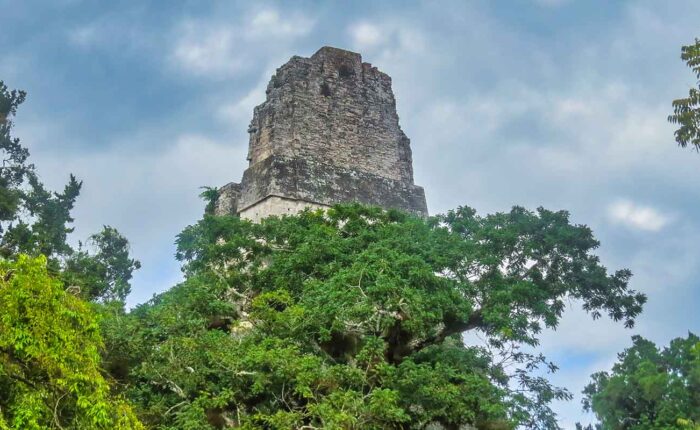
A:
(554, 103)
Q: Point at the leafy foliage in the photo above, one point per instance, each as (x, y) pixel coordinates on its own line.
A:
(14, 156)
(32, 220)
(36, 221)
(103, 275)
(46, 231)
(352, 318)
(649, 388)
(686, 111)
(49, 339)
(49, 356)
(210, 195)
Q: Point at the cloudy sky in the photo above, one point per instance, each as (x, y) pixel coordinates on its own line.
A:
(555, 103)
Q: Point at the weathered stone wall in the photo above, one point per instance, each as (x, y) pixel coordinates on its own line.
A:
(227, 203)
(311, 181)
(327, 133)
(335, 109)
(275, 205)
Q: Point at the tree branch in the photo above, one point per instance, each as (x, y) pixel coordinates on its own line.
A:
(476, 319)
(400, 347)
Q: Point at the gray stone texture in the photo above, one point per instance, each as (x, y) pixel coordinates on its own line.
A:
(327, 133)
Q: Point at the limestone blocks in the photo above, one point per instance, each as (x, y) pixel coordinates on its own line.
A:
(327, 133)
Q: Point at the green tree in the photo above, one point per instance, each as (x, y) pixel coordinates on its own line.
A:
(32, 220)
(45, 230)
(103, 274)
(352, 319)
(686, 111)
(36, 221)
(14, 157)
(49, 356)
(49, 340)
(210, 195)
(649, 388)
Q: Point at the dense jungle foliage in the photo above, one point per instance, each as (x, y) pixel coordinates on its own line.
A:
(649, 388)
(51, 368)
(352, 319)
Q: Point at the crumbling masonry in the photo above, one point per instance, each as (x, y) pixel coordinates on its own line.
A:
(327, 133)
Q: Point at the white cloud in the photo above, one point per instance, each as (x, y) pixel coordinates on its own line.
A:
(208, 51)
(365, 35)
(219, 50)
(123, 34)
(269, 23)
(637, 216)
(391, 40)
(149, 195)
(240, 112)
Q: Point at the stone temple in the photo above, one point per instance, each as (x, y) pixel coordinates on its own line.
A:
(327, 133)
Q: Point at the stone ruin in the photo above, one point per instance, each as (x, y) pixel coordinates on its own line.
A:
(327, 133)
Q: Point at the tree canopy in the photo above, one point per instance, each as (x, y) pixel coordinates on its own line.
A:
(103, 269)
(50, 356)
(33, 220)
(36, 221)
(14, 156)
(649, 388)
(686, 111)
(352, 318)
(50, 346)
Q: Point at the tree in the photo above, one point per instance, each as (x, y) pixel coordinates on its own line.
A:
(50, 364)
(45, 231)
(649, 388)
(210, 195)
(14, 156)
(32, 220)
(104, 274)
(49, 356)
(686, 111)
(352, 318)
(36, 221)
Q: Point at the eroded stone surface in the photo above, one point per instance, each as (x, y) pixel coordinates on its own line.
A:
(227, 202)
(327, 133)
